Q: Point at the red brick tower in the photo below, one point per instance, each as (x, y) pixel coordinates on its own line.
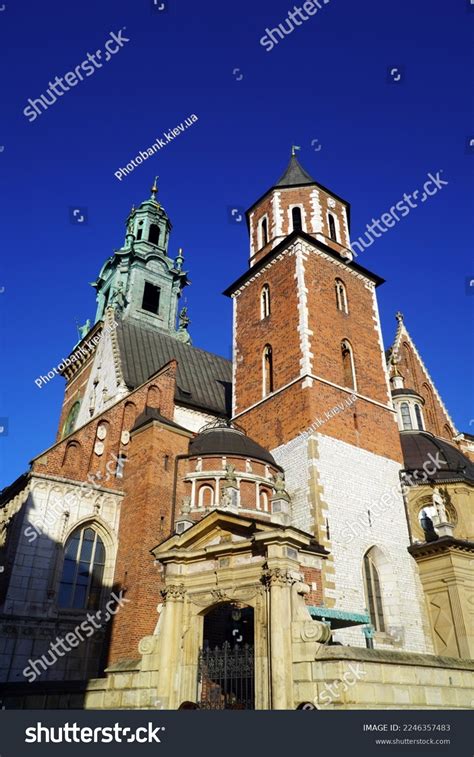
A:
(307, 334)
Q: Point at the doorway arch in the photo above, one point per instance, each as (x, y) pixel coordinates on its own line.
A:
(226, 660)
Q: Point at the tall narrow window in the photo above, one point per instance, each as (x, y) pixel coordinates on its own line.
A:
(265, 302)
(151, 298)
(83, 570)
(267, 370)
(341, 296)
(332, 227)
(348, 367)
(263, 232)
(419, 418)
(263, 501)
(296, 218)
(140, 230)
(406, 417)
(71, 419)
(154, 234)
(374, 593)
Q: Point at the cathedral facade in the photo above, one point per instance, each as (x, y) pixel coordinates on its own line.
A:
(291, 528)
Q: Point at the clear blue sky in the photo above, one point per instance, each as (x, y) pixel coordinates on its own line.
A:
(326, 81)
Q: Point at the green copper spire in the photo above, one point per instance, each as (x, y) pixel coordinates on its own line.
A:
(140, 280)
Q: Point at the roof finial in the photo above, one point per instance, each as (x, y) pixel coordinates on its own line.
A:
(154, 188)
(399, 317)
(294, 148)
(179, 259)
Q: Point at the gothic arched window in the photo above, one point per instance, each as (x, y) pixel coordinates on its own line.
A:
(341, 296)
(373, 592)
(348, 367)
(83, 570)
(267, 370)
(419, 418)
(154, 233)
(406, 417)
(263, 232)
(332, 227)
(265, 302)
(70, 421)
(296, 219)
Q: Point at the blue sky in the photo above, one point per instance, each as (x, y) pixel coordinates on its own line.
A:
(327, 81)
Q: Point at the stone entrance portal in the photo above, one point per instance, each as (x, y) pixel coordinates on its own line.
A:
(226, 660)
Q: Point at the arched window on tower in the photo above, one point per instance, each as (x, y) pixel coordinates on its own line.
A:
(348, 366)
(263, 232)
(332, 227)
(206, 496)
(267, 370)
(373, 592)
(419, 418)
(154, 234)
(341, 296)
(265, 302)
(71, 419)
(140, 230)
(263, 501)
(83, 570)
(406, 417)
(296, 219)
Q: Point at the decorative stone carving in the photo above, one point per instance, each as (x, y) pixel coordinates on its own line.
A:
(99, 448)
(230, 477)
(438, 503)
(278, 576)
(331, 202)
(147, 644)
(174, 592)
(279, 486)
(314, 630)
(219, 595)
(101, 432)
(125, 438)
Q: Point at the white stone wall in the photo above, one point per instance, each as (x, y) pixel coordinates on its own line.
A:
(30, 619)
(354, 482)
(192, 420)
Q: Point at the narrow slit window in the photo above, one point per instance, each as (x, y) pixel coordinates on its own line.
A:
(296, 218)
(332, 227)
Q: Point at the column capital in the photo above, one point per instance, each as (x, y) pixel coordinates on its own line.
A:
(173, 592)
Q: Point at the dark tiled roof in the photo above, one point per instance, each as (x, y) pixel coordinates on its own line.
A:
(417, 446)
(204, 380)
(411, 392)
(151, 414)
(228, 441)
(294, 175)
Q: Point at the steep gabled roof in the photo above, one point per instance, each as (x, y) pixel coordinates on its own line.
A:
(203, 381)
(396, 358)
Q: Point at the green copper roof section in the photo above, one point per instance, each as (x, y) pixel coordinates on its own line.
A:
(140, 280)
(330, 613)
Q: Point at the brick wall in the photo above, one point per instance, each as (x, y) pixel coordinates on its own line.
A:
(146, 519)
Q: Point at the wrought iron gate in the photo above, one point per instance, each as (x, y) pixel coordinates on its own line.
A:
(226, 677)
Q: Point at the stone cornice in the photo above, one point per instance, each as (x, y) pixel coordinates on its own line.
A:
(444, 544)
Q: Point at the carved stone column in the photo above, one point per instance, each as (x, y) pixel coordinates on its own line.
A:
(279, 581)
(169, 647)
